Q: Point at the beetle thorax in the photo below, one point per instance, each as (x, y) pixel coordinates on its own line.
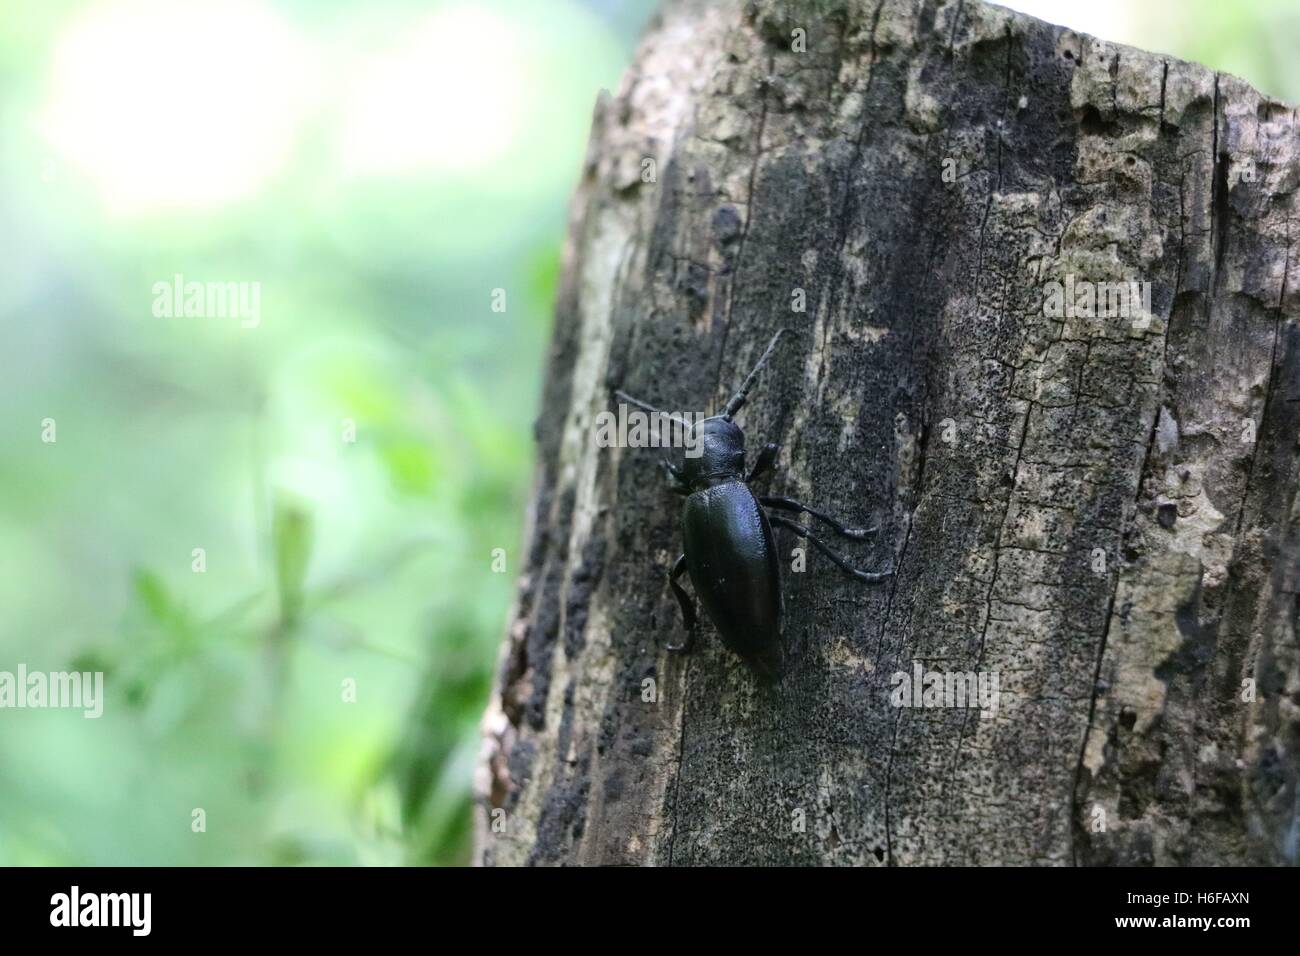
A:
(722, 456)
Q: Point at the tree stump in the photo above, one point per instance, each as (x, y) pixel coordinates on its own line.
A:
(1088, 495)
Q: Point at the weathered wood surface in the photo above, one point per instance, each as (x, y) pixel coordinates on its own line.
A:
(1101, 511)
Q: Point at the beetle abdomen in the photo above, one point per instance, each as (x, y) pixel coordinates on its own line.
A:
(732, 560)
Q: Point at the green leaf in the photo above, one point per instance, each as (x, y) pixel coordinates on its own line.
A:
(291, 535)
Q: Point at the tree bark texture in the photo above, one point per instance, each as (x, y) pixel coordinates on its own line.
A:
(1101, 511)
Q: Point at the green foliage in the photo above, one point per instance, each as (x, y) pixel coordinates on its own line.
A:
(291, 529)
(315, 680)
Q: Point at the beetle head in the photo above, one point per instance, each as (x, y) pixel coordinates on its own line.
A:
(722, 455)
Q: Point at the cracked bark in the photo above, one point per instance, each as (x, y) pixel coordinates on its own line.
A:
(1101, 511)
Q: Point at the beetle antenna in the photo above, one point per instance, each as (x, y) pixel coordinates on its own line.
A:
(624, 396)
(738, 400)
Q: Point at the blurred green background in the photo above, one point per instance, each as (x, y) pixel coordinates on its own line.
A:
(380, 170)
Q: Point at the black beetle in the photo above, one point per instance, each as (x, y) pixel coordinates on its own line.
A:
(727, 532)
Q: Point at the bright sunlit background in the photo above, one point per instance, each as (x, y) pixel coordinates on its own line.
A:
(379, 169)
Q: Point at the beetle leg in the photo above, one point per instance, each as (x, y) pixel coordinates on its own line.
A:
(688, 609)
(867, 577)
(789, 504)
(766, 459)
